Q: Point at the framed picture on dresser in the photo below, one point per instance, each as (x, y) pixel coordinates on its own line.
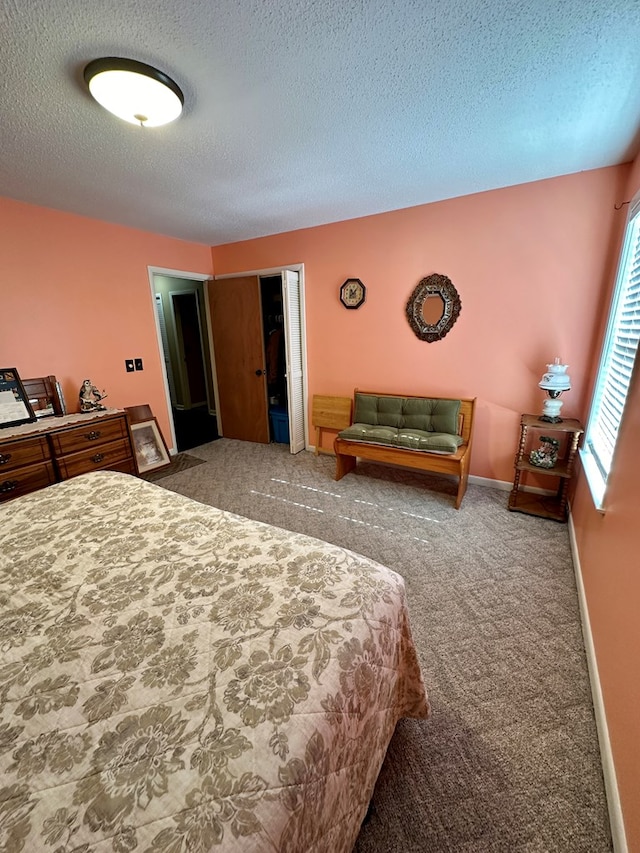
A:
(15, 408)
(149, 446)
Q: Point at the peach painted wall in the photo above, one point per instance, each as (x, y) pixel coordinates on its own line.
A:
(609, 551)
(76, 302)
(529, 264)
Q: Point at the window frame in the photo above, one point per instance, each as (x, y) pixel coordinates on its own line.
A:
(597, 479)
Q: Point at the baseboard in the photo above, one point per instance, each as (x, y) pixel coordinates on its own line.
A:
(488, 483)
(608, 768)
(505, 486)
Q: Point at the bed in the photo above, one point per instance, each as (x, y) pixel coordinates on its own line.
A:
(177, 678)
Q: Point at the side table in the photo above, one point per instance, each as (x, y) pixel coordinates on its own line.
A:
(546, 506)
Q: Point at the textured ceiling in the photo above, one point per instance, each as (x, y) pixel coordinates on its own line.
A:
(302, 112)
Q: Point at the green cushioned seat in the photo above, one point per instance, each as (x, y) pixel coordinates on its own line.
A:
(366, 432)
(410, 439)
(435, 442)
(406, 422)
(428, 434)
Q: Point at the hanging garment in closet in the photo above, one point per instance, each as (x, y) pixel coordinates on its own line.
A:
(273, 355)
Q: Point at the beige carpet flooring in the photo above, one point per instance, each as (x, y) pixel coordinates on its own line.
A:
(509, 760)
(180, 462)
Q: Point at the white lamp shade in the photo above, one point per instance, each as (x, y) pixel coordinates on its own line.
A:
(133, 91)
(556, 378)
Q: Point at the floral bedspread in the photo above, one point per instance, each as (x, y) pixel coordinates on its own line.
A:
(177, 678)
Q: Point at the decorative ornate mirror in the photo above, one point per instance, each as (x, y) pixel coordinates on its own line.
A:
(433, 308)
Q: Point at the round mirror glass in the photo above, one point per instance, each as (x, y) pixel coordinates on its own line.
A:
(432, 309)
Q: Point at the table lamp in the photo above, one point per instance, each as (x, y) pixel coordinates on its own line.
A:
(554, 382)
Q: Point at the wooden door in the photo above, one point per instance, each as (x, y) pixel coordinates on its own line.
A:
(238, 342)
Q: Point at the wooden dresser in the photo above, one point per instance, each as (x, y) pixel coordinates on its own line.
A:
(35, 455)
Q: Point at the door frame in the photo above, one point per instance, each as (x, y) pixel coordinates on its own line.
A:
(207, 277)
(299, 268)
(192, 276)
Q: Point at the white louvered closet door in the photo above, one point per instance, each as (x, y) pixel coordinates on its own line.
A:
(294, 347)
(165, 348)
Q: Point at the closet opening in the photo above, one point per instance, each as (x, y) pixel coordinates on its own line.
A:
(258, 340)
(275, 357)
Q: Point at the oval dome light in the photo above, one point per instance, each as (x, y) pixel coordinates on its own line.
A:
(133, 91)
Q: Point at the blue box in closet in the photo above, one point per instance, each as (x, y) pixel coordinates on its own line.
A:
(279, 424)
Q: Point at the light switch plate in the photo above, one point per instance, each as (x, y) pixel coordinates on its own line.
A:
(138, 363)
(128, 363)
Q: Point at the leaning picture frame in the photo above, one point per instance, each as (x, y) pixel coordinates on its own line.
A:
(150, 449)
(15, 408)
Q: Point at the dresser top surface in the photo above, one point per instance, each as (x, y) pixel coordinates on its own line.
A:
(45, 425)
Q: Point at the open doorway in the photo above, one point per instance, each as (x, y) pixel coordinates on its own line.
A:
(180, 309)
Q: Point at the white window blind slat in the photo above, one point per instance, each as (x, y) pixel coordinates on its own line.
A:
(619, 353)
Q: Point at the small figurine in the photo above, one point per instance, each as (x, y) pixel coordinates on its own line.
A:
(546, 455)
(90, 398)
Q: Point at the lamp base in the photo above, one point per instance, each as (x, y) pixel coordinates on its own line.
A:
(551, 409)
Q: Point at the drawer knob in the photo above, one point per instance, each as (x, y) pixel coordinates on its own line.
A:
(4, 458)
(8, 486)
(91, 436)
(98, 457)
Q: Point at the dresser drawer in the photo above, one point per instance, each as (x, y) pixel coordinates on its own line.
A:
(27, 451)
(82, 437)
(95, 458)
(25, 480)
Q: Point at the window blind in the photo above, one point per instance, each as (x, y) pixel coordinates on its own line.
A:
(619, 353)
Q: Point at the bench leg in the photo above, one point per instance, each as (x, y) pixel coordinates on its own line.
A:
(462, 487)
(344, 464)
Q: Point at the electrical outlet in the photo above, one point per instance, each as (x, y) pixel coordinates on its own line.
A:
(138, 363)
(128, 363)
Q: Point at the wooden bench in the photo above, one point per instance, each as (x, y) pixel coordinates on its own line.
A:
(347, 450)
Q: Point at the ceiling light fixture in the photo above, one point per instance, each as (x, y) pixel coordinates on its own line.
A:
(134, 91)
